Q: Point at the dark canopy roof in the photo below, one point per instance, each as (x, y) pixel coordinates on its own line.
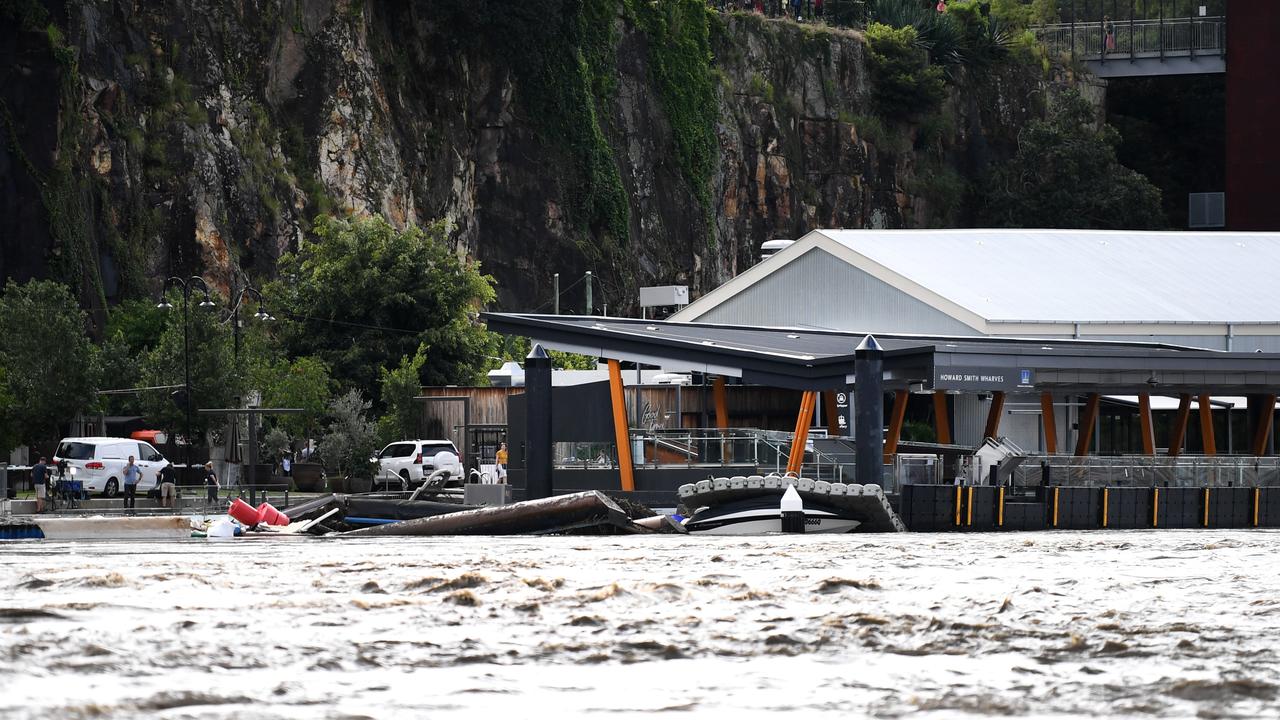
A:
(803, 358)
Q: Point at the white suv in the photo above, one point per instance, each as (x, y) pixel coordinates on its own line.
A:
(98, 462)
(409, 463)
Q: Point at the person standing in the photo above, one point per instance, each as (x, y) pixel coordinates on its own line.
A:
(1110, 28)
(286, 465)
(132, 474)
(40, 482)
(168, 488)
(210, 484)
(501, 463)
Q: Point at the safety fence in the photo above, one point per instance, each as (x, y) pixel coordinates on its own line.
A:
(1170, 37)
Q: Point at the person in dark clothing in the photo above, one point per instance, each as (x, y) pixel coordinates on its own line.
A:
(40, 482)
(210, 484)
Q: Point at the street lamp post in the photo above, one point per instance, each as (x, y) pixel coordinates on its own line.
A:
(187, 285)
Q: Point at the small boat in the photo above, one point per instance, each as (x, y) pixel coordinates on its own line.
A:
(763, 514)
(754, 504)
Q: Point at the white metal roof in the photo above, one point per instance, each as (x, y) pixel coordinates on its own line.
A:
(1038, 278)
(1085, 275)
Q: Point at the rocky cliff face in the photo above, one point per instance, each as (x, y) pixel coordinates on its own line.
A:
(651, 143)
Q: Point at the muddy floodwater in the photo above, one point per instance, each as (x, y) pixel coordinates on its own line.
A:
(1131, 624)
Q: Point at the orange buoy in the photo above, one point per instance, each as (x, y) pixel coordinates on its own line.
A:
(244, 513)
(272, 516)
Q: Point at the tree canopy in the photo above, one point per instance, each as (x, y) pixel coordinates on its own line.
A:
(361, 295)
(48, 360)
(1065, 175)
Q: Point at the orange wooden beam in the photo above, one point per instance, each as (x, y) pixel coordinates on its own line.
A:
(1179, 434)
(722, 416)
(1050, 423)
(1088, 419)
(941, 419)
(895, 425)
(1266, 415)
(1145, 424)
(993, 415)
(801, 436)
(722, 404)
(1206, 426)
(829, 409)
(621, 430)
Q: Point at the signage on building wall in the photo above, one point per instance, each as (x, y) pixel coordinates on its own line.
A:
(983, 379)
(844, 411)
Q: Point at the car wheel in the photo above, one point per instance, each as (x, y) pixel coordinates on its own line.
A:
(109, 490)
(404, 480)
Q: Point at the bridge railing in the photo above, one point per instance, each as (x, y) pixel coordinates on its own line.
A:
(1171, 37)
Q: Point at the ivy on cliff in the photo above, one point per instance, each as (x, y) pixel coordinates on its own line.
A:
(64, 193)
(542, 41)
(680, 62)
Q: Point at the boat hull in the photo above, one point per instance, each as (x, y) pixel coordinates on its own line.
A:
(754, 517)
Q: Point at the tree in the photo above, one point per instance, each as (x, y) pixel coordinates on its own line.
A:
(47, 356)
(399, 388)
(1065, 175)
(9, 436)
(350, 438)
(362, 294)
(302, 383)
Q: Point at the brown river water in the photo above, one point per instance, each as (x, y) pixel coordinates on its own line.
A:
(1115, 623)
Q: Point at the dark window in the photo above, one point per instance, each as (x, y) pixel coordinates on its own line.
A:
(430, 449)
(75, 451)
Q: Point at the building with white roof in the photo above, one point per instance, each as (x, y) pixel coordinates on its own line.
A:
(1212, 290)
(1209, 290)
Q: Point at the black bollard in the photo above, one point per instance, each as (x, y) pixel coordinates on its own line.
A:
(537, 407)
(868, 411)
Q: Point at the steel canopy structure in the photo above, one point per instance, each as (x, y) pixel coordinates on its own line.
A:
(808, 359)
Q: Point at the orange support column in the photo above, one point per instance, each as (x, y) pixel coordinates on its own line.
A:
(722, 405)
(621, 429)
(801, 436)
(1179, 434)
(895, 425)
(993, 415)
(1050, 423)
(941, 420)
(1266, 414)
(1206, 426)
(1144, 422)
(1089, 418)
(722, 417)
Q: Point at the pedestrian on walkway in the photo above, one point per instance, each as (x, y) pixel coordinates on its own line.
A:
(500, 463)
(132, 474)
(40, 482)
(210, 484)
(168, 488)
(1110, 28)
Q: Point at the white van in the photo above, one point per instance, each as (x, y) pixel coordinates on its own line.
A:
(98, 462)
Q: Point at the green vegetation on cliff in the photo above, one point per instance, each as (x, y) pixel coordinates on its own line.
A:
(1065, 175)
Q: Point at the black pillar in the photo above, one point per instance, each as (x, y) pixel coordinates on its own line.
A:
(537, 408)
(868, 409)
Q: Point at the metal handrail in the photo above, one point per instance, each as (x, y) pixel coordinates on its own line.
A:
(1171, 37)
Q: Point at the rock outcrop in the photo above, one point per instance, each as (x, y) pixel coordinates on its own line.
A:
(650, 143)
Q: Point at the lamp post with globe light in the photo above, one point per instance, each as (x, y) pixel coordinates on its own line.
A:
(188, 285)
